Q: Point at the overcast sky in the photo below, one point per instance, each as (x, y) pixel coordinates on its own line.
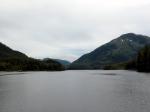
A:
(67, 29)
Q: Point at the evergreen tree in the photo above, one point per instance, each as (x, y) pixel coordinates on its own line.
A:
(142, 62)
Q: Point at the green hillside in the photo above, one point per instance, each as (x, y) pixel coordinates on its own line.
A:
(119, 50)
(11, 60)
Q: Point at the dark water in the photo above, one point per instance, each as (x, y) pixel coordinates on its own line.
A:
(75, 91)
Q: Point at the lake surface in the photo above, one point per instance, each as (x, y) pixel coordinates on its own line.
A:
(75, 91)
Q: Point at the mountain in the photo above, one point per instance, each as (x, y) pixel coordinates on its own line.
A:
(63, 62)
(5, 51)
(119, 50)
(11, 60)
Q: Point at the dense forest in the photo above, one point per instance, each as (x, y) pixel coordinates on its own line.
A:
(141, 63)
(29, 64)
(11, 60)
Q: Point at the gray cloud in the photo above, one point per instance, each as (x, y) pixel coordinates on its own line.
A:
(69, 28)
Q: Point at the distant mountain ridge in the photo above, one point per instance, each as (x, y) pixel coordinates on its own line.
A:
(11, 60)
(121, 49)
(65, 63)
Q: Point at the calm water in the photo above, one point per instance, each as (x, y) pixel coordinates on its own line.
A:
(75, 91)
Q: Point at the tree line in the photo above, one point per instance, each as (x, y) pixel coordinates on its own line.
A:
(29, 64)
(141, 63)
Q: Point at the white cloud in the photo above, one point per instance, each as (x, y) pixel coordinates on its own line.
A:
(67, 29)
